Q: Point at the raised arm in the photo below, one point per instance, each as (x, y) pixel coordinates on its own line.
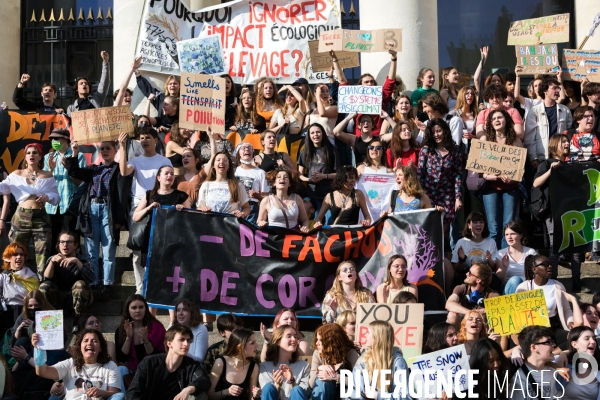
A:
(385, 125)
(137, 62)
(478, 71)
(43, 371)
(517, 91)
(100, 95)
(19, 99)
(331, 112)
(125, 168)
(338, 131)
(393, 64)
(298, 95)
(212, 138)
(338, 70)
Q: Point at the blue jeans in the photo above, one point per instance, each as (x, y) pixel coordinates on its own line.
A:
(253, 216)
(511, 285)
(500, 209)
(101, 235)
(324, 390)
(269, 392)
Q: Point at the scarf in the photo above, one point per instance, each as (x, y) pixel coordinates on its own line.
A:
(84, 104)
(30, 283)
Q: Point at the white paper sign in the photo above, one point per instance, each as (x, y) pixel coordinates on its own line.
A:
(377, 189)
(453, 360)
(360, 99)
(50, 326)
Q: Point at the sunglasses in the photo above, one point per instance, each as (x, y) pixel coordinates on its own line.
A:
(547, 343)
(375, 147)
(543, 264)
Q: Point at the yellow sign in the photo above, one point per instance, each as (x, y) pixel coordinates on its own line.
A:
(509, 314)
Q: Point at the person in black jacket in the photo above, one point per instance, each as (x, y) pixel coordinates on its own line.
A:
(48, 97)
(101, 214)
(171, 376)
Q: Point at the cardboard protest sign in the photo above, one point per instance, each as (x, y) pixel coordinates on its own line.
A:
(494, 158)
(377, 40)
(360, 99)
(453, 362)
(100, 124)
(406, 319)
(201, 55)
(509, 314)
(538, 59)
(321, 62)
(581, 64)
(202, 102)
(550, 29)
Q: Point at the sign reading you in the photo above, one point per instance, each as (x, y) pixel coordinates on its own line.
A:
(494, 158)
(538, 59)
(550, 29)
(101, 124)
(509, 314)
(360, 99)
(581, 64)
(321, 62)
(202, 104)
(372, 41)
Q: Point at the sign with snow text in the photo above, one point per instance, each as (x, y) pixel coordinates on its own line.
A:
(406, 319)
(321, 62)
(202, 102)
(581, 64)
(101, 124)
(542, 30)
(497, 159)
(361, 41)
(452, 363)
(360, 99)
(509, 314)
(538, 59)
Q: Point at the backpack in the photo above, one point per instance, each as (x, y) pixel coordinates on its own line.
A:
(540, 204)
(393, 199)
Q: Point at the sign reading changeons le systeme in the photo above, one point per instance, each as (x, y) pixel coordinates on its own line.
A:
(431, 383)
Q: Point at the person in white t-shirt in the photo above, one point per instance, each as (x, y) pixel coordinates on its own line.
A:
(510, 261)
(144, 170)
(89, 373)
(475, 245)
(252, 177)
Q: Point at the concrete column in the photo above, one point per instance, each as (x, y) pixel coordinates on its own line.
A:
(127, 19)
(10, 48)
(585, 11)
(419, 24)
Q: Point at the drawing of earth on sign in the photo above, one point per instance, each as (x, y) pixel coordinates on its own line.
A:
(421, 254)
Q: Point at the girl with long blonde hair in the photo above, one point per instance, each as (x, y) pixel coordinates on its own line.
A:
(466, 108)
(381, 355)
(474, 327)
(396, 281)
(345, 293)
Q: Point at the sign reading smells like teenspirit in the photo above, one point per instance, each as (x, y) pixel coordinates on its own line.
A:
(377, 40)
(509, 314)
(360, 99)
(494, 158)
(538, 59)
(101, 124)
(406, 319)
(202, 102)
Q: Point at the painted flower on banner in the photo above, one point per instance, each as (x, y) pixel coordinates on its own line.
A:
(204, 56)
(421, 255)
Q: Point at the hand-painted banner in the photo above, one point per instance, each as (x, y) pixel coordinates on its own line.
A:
(201, 56)
(228, 265)
(18, 128)
(406, 319)
(258, 38)
(574, 199)
(581, 64)
(542, 30)
(360, 99)
(538, 59)
(510, 314)
(377, 189)
(202, 102)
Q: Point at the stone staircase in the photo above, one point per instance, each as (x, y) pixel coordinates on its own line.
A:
(109, 312)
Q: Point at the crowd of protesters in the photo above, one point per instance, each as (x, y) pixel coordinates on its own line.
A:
(423, 137)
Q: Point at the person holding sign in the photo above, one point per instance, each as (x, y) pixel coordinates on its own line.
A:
(538, 271)
(396, 281)
(171, 88)
(333, 352)
(381, 355)
(85, 100)
(89, 373)
(359, 144)
(501, 196)
(345, 293)
(440, 336)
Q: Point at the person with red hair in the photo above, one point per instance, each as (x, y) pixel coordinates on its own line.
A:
(33, 188)
(333, 352)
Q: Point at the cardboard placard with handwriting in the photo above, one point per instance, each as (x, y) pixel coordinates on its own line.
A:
(550, 29)
(509, 314)
(377, 40)
(101, 124)
(580, 64)
(406, 320)
(321, 62)
(202, 102)
(538, 59)
(494, 158)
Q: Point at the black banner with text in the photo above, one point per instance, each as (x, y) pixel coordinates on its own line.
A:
(227, 265)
